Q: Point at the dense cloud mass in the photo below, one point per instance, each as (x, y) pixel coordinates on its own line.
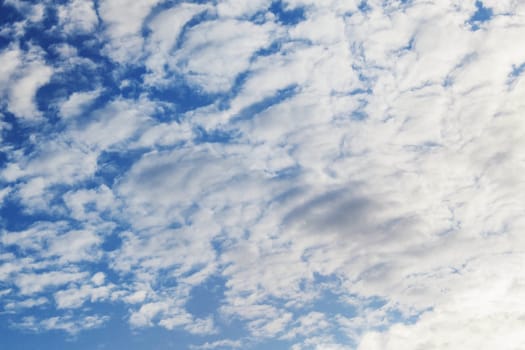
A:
(293, 174)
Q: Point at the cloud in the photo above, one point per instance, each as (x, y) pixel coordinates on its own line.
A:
(213, 53)
(225, 343)
(77, 102)
(123, 22)
(166, 29)
(22, 74)
(75, 297)
(67, 324)
(31, 283)
(78, 17)
(21, 95)
(458, 319)
(27, 303)
(313, 175)
(3, 194)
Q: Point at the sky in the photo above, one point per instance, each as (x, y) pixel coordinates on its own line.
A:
(263, 174)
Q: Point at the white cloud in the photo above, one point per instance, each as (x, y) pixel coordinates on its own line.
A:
(21, 75)
(166, 28)
(31, 283)
(215, 52)
(137, 297)
(77, 102)
(143, 317)
(78, 17)
(116, 122)
(39, 171)
(319, 343)
(32, 12)
(76, 297)
(27, 303)
(236, 8)
(89, 204)
(459, 319)
(75, 245)
(308, 325)
(98, 278)
(393, 167)
(10, 59)
(3, 194)
(201, 327)
(21, 96)
(64, 323)
(224, 343)
(124, 21)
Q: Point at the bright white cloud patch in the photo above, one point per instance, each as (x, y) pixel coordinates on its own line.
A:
(215, 52)
(22, 74)
(77, 102)
(78, 17)
(263, 174)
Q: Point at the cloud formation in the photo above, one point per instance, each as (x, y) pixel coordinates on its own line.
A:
(264, 174)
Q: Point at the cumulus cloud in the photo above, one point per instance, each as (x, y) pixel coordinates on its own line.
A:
(78, 17)
(77, 102)
(213, 53)
(123, 22)
(22, 74)
(316, 175)
(166, 29)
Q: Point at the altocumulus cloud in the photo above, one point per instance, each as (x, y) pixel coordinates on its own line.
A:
(291, 174)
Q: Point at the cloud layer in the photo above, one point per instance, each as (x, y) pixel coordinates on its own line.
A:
(294, 174)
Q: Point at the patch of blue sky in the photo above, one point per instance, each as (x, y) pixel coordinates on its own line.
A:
(16, 135)
(253, 110)
(273, 48)
(396, 316)
(214, 136)
(15, 216)
(515, 73)
(360, 91)
(287, 16)
(330, 303)
(112, 241)
(114, 334)
(423, 147)
(273, 344)
(408, 47)
(482, 14)
(517, 70)
(82, 78)
(224, 99)
(364, 6)
(164, 279)
(196, 20)
(112, 164)
(39, 33)
(8, 16)
(4, 157)
(359, 113)
(183, 96)
(287, 173)
(212, 292)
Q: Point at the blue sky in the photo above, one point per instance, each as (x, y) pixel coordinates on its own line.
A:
(229, 174)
